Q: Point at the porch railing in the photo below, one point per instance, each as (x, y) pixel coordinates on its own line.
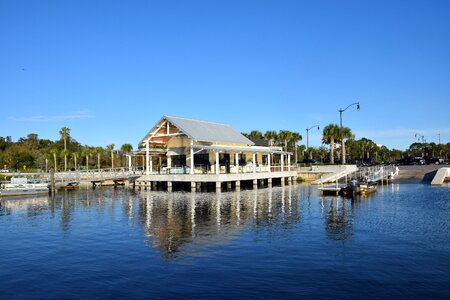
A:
(223, 169)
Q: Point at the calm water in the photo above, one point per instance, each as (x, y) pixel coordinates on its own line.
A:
(271, 243)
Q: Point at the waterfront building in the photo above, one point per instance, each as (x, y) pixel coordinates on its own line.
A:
(185, 150)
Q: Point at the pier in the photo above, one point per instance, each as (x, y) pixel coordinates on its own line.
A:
(382, 173)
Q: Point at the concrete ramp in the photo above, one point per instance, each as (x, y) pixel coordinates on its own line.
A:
(440, 176)
(339, 173)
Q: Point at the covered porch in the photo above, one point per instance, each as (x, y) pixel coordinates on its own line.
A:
(206, 159)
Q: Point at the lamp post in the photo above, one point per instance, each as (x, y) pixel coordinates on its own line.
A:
(340, 130)
(307, 138)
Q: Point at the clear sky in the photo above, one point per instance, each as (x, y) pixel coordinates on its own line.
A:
(110, 69)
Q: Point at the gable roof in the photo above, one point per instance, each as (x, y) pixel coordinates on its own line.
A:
(204, 131)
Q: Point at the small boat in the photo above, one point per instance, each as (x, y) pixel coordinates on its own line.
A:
(22, 186)
(362, 186)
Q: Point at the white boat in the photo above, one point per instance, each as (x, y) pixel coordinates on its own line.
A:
(21, 186)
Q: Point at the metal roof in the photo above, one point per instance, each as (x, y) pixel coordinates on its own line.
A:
(274, 150)
(208, 131)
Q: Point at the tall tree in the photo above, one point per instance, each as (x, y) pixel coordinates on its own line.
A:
(285, 136)
(126, 149)
(330, 136)
(65, 134)
(75, 157)
(346, 134)
(271, 136)
(87, 152)
(295, 138)
(98, 151)
(110, 148)
(255, 134)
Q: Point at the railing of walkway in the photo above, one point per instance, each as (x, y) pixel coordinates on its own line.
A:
(376, 173)
(98, 174)
(211, 169)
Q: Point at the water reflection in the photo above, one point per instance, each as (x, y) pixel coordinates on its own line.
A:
(172, 221)
(338, 223)
(178, 223)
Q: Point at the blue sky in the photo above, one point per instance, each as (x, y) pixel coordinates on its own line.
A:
(110, 69)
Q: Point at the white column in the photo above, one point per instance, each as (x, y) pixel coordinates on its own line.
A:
(236, 162)
(268, 161)
(192, 159)
(129, 162)
(147, 158)
(151, 164)
(289, 162)
(254, 162)
(217, 162)
(282, 162)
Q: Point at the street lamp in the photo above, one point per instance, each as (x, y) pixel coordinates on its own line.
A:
(340, 130)
(307, 137)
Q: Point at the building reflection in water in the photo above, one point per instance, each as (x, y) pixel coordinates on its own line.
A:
(177, 221)
(182, 223)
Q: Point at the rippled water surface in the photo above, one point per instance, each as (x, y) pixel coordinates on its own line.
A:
(270, 243)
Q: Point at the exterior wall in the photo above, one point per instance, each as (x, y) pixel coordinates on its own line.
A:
(216, 178)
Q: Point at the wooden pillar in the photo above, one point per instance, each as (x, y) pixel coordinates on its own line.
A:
(282, 162)
(236, 162)
(192, 159)
(254, 162)
(269, 162)
(151, 164)
(193, 186)
(159, 164)
(289, 162)
(217, 162)
(147, 158)
(269, 182)
(238, 185)
(228, 185)
(169, 186)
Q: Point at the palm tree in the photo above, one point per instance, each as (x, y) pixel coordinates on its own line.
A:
(270, 135)
(295, 138)
(98, 151)
(55, 167)
(366, 146)
(65, 134)
(346, 134)
(255, 134)
(285, 136)
(75, 157)
(330, 135)
(126, 148)
(86, 153)
(322, 152)
(110, 147)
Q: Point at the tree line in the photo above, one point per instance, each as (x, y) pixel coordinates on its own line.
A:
(34, 154)
(354, 149)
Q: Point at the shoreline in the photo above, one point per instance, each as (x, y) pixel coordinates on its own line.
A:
(417, 173)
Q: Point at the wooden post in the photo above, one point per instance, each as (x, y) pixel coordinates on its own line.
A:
(52, 181)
